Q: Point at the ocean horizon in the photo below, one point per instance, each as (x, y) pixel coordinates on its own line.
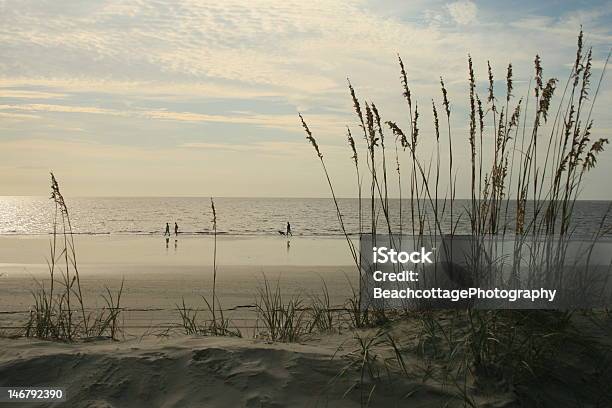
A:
(309, 217)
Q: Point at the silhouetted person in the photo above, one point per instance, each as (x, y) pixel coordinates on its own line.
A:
(288, 233)
(175, 229)
(167, 229)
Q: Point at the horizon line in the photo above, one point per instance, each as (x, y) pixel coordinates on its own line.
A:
(253, 197)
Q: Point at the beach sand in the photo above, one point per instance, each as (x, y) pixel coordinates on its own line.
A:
(201, 372)
(158, 278)
(157, 366)
(321, 371)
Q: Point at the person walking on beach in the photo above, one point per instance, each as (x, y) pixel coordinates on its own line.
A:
(288, 233)
(167, 230)
(176, 229)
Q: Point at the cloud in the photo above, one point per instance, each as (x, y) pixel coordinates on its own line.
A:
(287, 122)
(300, 52)
(17, 116)
(41, 107)
(62, 88)
(195, 73)
(293, 48)
(24, 94)
(463, 12)
(268, 148)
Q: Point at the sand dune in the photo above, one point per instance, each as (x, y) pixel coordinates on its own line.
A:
(197, 372)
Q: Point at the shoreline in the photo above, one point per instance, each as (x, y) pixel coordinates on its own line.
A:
(184, 250)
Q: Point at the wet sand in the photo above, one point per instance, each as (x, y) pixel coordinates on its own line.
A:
(158, 278)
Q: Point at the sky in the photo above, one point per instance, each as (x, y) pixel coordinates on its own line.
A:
(196, 98)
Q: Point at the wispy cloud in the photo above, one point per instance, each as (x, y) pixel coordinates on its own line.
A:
(463, 12)
(17, 116)
(268, 148)
(40, 107)
(286, 122)
(24, 94)
(194, 72)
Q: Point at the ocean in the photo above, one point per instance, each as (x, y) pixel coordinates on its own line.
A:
(309, 217)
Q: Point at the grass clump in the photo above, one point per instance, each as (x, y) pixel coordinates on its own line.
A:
(322, 316)
(192, 325)
(59, 311)
(283, 320)
(528, 159)
(217, 324)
